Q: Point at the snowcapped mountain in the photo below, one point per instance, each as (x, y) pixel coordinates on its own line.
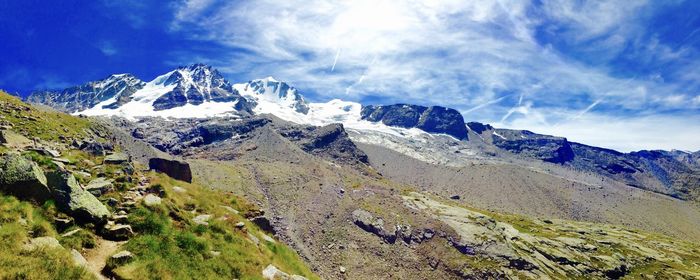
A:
(269, 92)
(194, 84)
(191, 91)
(200, 91)
(117, 87)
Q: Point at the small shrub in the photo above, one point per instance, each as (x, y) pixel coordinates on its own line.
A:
(189, 243)
(146, 221)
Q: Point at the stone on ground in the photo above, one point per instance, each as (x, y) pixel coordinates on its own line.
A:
(71, 198)
(23, 178)
(41, 242)
(151, 200)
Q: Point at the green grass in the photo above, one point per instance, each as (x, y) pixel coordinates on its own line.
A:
(43, 124)
(17, 218)
(176, 248)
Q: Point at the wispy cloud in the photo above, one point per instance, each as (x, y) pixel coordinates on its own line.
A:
(557, 56)
(107, 48)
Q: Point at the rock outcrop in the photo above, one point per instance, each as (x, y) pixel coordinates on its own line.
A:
(73, 199)
(369, 223)
(434, 119)
(328, 141)
(10, 138)
(23, 178)
(544, 147)
(176, 169)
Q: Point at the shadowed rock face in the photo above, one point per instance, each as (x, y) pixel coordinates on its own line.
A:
(330, 141)
(478, 127)
(176, 169)
(544, 147)
(434, 119)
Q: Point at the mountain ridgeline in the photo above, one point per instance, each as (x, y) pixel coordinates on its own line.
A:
(672, 173)
(250, 180)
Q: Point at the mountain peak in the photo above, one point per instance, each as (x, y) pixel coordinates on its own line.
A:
(269, 92)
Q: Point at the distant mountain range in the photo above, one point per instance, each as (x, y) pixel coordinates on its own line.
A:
(200, 91)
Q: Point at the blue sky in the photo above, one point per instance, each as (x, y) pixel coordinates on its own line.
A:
(618, 74)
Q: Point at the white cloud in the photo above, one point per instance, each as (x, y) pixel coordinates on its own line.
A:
(461, 54)
(107, 48)
(622, 134)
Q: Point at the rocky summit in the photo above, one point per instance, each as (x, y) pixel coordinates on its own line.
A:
(433, 119)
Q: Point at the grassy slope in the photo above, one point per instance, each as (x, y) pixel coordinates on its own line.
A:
(20, 221)
(167, 245)
(42, 123)
(177, 248)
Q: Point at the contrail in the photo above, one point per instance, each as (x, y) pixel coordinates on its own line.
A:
(337, 53)
(485, 104)
(590, 107)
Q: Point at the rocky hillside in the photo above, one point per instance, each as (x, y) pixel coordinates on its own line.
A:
(673, 173)
(74, 205)
(367, 192)
(200, 91)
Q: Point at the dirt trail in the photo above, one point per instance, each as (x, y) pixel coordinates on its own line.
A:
(97, 257)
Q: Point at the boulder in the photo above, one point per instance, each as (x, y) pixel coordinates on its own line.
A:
(202, 220)
(117, 232)
(116, 158)
(46, 152)
(369, 223)
(176, 169)
(151, 200)
(99, 186)
(273, 273)
(263, 223)
(23, 178)
(76, 201)
(78, 259)
(12, 139)
(41, 242)
(93, 147)
(121, 258)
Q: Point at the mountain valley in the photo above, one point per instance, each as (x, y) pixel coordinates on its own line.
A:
(254, 182)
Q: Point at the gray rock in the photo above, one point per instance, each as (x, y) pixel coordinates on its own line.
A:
(120, 258)
(202, 220)
(76, 201)
(99, 186)
(46, 152)
(369, 223)
(117, 232)
(70, 233)
(151, 200)
(176, 169)
(23, 178)
(273, 273)
(78, 258)
(11, 139)
(228, 208)
(41, 242)
(116, 158)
